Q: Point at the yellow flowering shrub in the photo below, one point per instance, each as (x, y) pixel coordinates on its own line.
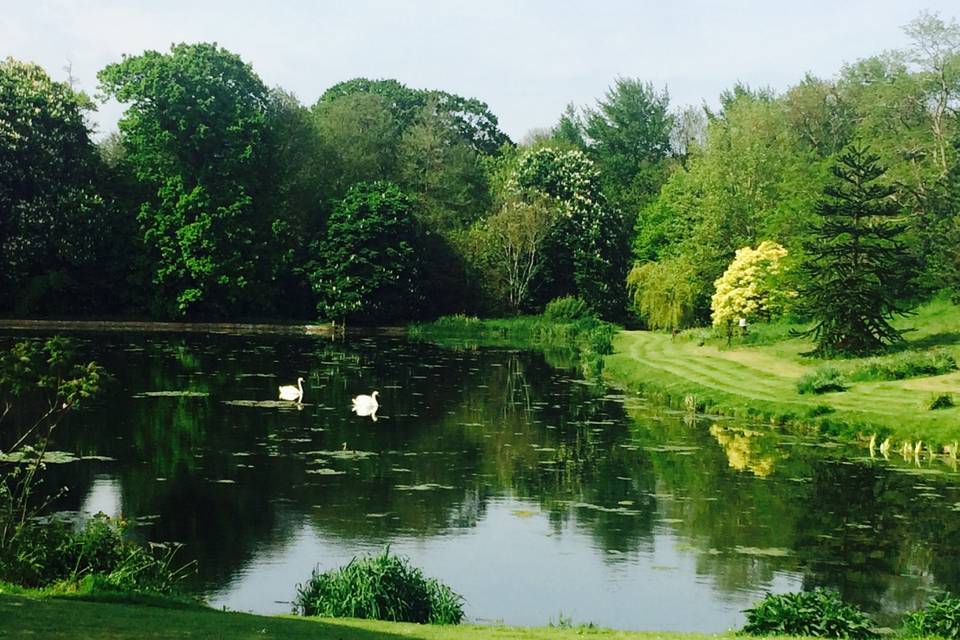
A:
(750, 287)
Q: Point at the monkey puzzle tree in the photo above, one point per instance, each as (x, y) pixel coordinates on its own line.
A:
(858, 274)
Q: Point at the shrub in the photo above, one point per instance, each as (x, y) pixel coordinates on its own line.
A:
(940, 401)
(567, 309)
(941, 617)
(819, 410)
(822, 380)
(819, 613)
(905, 365)
(381, 587)
(52, 552)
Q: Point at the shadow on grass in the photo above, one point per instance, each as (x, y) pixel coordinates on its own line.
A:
(66, 617)
(945, 339)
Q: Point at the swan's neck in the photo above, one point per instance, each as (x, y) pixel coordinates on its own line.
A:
(300, 386)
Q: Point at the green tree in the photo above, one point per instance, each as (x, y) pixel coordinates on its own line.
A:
(362, 137)
(517, 233)
(194, 132)
(298, 207)
(664, 294)
(444, 172)
(858, 272)
(56, 226)
(470, 118)
(366, 266)
(628, 136)
(588, 246)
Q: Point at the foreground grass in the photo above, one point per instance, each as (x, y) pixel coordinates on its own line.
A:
(92, 618)
(759, 381)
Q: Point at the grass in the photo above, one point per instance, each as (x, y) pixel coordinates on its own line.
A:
(759, 380)
(92, 618)
(566, 342)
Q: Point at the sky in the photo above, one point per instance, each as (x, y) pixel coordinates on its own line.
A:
(526, 59)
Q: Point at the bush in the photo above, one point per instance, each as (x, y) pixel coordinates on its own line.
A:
(940, 401)
(822, 380)
(939, 618)
(905, 365)
(567, 309)
(51, 552)
(819, 613)
(382, 587)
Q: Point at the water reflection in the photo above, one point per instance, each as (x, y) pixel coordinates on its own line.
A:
(522, 487)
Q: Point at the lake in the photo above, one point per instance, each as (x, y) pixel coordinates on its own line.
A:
(535, 494)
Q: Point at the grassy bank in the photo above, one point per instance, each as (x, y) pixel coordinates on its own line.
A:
(95, 618)
(566, 343)
(758, 380)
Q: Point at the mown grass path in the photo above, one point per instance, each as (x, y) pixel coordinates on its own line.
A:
(759, 382)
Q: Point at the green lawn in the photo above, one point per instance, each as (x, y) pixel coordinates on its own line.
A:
(72, 617)
(759, 381)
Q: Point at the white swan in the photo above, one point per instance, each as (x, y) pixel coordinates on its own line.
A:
(290, 392)
(366, 405)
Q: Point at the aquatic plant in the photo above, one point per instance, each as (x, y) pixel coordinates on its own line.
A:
(382, 587)
(819, 613)
(941, 617)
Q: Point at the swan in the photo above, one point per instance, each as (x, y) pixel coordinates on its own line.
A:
(366, 405)
(290, 392)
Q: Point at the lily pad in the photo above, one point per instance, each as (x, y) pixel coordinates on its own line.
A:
(172, 394)
(429, 486)
(263, 404)
(769, 552)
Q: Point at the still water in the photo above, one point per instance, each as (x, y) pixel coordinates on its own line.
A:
(528, 490)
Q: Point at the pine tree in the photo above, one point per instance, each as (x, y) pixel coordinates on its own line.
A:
(859, 272)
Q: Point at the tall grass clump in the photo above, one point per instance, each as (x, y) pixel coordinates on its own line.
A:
(822, 380)
(567, 309)
(820, 613)
(911, 364)
(380, 587)
(52, 553)
(941, 617)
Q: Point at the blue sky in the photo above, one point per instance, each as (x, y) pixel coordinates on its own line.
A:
(525, 58)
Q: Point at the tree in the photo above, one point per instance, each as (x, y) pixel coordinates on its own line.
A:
(444, 172)
(366, 267)
(588, 245)
(194, 132)
(664, 294)
(471, 119)
(569, 129)
(55, 223)
(517, 234)
(858, 273)
(936, 53)
(628, 136)
(303, 180)
(362, 136)
(752, 286)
